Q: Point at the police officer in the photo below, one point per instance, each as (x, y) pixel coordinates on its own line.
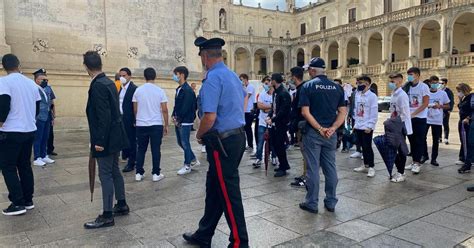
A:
(222, 131)
(323, 106)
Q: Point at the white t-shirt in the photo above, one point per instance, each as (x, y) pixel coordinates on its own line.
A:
(122, 93)
(399, 106)
(24, 94)
(435, 116)
(415, 95)
(149, 98)
(366, 110)
(250, 91)
(347, 91)
(266, 99)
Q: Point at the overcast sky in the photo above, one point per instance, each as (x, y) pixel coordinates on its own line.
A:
(271, 4)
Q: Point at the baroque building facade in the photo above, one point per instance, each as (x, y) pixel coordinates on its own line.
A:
(353, 36)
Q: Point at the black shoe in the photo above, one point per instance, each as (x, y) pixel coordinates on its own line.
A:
(464, 169)
(306, 208)
(424, 159)
(190, 238)
(100, 222)
(280, 173)
(29, 205)
(121, 210)
(53, 154)
(299, 183)
(277, 169)
(470, 188)
(13, 210)
(433, 162)
(128, 169)
(329, 209)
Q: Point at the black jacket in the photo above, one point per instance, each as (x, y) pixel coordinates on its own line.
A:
(127, 105)
(451, 99)
(185, 104)
(280, 112)
(296, 115)
(103, 115)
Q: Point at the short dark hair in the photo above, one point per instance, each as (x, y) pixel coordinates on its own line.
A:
(364, 78)
(10, 62)
(297, 72)
(182, 70)
(415, 70)
(125, 69)
(338, 80)
(265, 79)
(117, 76)
(149, 73)
(38, 74)
(434, 78)
(427, 81)
(277, 77)
(92, 61)
(395, 75)
(244, 76)
(445, 80)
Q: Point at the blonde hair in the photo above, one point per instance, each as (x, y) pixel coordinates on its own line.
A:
(464, 88)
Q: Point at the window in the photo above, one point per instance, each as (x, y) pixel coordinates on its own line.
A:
(427, 53)
(303, 28)
(387, 6)
(427, 1)
(472, 48)
(322, 23)
(334, 63)
(352, 15)
(393, 57)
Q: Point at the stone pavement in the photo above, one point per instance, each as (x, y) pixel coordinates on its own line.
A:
(432, 209)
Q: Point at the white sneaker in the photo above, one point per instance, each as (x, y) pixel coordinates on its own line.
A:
(356, 155)
(362, 157)
(39, 162)
(184, 170)
(47, 160)
(371, 172)
(249, 149)
(203, 149)
(362, 168)
(258, 162)
(139, 177)
(157, 178)
(195, 163)
(274, 161)
(459, 162)
(409, 167)
(398, 178)
(416, 169)
(446, 141)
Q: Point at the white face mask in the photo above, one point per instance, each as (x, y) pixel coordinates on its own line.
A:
(123, 80)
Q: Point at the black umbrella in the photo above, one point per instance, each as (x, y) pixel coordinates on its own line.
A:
(91, 175)
(387, 152)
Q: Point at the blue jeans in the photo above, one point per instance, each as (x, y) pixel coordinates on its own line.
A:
(182, 135)
(145, 135)
(41, 138)
(258, 154)
(320, 152)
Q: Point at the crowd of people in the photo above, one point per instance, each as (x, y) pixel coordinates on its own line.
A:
(317, 116)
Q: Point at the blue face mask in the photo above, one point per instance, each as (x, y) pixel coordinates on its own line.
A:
(410, 78)
(175, 78)
(392, 85)
(435, 86)
(266, 87)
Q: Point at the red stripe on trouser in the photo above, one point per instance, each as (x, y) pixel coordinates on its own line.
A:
(227, 200)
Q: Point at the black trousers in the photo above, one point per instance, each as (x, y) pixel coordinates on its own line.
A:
(446, 116)
(279, 137)
(15, 162)
(365, 140)
(131, 152)
(400, 161)
(418, 138)
(248, 128)
(50, 146)
(461, 149)
(223, 193)
(255, 129)
(436, 131)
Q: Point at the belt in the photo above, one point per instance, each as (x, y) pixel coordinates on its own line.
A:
(231, 132)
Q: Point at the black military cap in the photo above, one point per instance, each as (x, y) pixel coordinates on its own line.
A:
(396, 75)
(205, 44)
(39, 71)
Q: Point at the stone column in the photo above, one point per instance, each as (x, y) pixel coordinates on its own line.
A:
(252, 71)
(342, 54)
(230, 57)
(414, 46)
(325, 53)
(269, 62)
(445, 39)
(363, 50)
(386, 51)
(4, 48)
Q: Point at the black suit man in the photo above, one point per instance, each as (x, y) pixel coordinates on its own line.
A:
(107, 138)
(128, 117)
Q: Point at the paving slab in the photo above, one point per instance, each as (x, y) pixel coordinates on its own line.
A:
(357, 230)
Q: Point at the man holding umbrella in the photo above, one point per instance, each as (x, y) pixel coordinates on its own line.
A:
(107, 139)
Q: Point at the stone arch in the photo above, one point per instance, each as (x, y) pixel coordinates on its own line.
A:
(242, 60)
(225, 57)
(375, 47)
(260, 61)
(430, 38)
(278, 61)
(300, 56)
(462, 28)
(333, 55)
(316, 51)
(352, 51)
(400, 43)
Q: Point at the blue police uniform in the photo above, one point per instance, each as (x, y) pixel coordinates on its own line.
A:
(323, 97)
(222, 93)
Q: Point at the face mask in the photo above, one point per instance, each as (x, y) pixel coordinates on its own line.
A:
(361, 87)
(392, 85)
(460, 94)
(44, 83)
(123, 80)
(266, 87)
(434, 86)
(175, 78)
(410, 78)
